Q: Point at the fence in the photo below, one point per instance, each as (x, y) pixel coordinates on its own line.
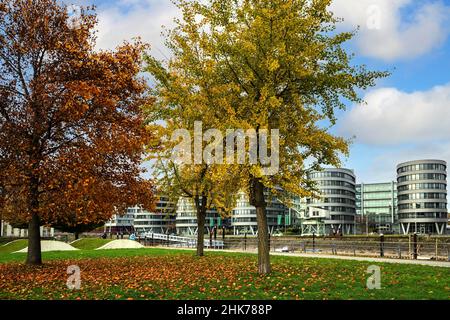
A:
(413, 249)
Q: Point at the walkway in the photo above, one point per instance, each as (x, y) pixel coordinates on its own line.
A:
(430, 263)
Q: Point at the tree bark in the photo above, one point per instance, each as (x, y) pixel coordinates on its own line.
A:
(34, 256)
(200, 205)
(258, 201)
(77, 235)
(34, 241)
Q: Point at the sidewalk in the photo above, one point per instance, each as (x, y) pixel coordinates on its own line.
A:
(430, 263)
(387, 260)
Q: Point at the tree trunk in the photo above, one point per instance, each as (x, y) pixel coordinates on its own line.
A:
(258, 201)
(34, 255)
(34, 241)
(77, 235)
(200, 205)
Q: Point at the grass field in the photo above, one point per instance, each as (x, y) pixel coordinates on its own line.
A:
(89, 243)
(12, 247)
(177, 274)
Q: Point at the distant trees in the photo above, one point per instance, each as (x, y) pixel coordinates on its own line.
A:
(71, 127)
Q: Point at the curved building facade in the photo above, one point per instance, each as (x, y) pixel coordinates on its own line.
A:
(422, 196)
(244, 215)
(334, 212)
(186, 218)
(162, 220)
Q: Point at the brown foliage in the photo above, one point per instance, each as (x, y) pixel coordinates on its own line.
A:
(71, 127)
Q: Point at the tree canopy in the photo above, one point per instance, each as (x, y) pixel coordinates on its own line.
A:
(264, 65)
(71, 126)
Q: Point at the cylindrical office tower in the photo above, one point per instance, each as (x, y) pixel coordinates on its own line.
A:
(422, 196)
(186, 218)
(244, 215)
(334, 212)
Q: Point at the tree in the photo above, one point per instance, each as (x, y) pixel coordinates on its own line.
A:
(292, 71)
(206, 186)
(71, 126)
(77, 228)
(184, 108)
(200, 189)
(277, 64)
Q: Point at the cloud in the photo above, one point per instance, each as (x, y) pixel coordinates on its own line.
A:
(128, 19)
(393, 117)
(396, 29)
(397, 37)
(382, 166)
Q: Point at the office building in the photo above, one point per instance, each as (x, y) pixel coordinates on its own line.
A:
(161, 220)
(121, 223)
(186, 218)
(335, 209)
(422, 196)
(243, 219)
(376, 207)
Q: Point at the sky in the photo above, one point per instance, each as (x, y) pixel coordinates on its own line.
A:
(405, 116)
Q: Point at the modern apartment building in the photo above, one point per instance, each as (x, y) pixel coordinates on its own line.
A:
(422, 196)
(138, 220)
(186, 218)
(417, 202)
(376, 207)
(162, 220)
(243, 218)
(334, 212)
(121, 223)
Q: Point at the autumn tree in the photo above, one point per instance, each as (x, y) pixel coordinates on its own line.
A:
(196, 185)
(178, 172)
(268, 65)
(71, 126)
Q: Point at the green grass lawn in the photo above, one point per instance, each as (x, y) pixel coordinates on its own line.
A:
(90, 243)
(153, 273)
(12, 247)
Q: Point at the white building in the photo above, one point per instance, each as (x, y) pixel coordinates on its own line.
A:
(186, 218)
(335, 210)
(121, 223)
(243, 219)
(162, 220)
(7, 231)
(138, 220)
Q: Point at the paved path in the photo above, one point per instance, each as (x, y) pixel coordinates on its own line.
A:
(387, 260)
(431, 263)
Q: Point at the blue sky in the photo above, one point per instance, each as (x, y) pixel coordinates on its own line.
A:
(407, 116)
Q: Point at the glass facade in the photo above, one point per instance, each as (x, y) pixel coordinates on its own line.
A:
(422, 176)
(422, 196)
(422, 167)
(333, 212)
(243, 219)
(376, 205)
(162, 220)
(137, 220)
(186, 218)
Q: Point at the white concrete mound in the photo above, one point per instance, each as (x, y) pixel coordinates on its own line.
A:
(121, 244)
(50, 245)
